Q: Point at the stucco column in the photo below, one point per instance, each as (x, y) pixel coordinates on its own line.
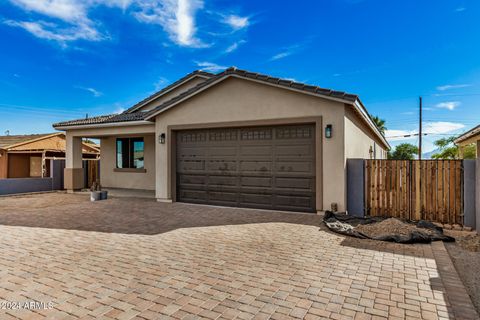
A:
(163, 165)
(73, 173)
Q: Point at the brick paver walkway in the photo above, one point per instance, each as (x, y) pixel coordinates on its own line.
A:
(136, 258)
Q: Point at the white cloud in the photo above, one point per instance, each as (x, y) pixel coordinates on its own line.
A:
(52, 31)
(442, 127)
(450, 105)
(281, 55)
(452, 86)
(177, 18)
(234, 46)
(210, 66)
(66, 10)
(460, 9)
(287, 52)
(65, 21)
(93, 91)
(237, 22)
(430, 128)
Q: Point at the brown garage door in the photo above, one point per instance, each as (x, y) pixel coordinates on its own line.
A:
(256, 167)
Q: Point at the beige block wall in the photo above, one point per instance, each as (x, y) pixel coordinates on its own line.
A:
(359, 139)
(243, 100)
(175, 92)
(130, 180)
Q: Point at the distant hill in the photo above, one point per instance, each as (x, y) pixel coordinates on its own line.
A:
(428, 155)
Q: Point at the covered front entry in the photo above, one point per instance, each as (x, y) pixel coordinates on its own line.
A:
(259, 167)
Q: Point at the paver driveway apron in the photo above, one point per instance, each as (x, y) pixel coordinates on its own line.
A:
(135, 258)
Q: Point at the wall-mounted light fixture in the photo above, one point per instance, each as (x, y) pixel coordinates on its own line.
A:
(328, 131)
(161, 138)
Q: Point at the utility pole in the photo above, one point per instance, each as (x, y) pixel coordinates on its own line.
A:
(420, 131)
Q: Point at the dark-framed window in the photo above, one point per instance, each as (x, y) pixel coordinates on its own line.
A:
(130, 153)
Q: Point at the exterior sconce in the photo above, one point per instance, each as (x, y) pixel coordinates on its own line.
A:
(161, 138)
(328, 131)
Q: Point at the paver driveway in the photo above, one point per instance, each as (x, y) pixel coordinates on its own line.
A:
(135, 258)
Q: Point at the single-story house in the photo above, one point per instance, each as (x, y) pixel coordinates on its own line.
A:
(26, 156)
(235, 138)
(472, 136)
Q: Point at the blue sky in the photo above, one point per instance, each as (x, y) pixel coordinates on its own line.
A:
(61, 59)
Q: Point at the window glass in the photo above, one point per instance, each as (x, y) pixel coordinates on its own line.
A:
(138, 153)
(130, 153)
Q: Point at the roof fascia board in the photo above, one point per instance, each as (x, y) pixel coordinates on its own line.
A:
(244, 78)
(360, 108)
(193, 76)
(105, 125)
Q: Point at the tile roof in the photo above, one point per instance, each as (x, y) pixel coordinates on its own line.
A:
(9, 140)
(259, 77)
(136, 116)
(110, 118)
(167, 88)
(470, 133)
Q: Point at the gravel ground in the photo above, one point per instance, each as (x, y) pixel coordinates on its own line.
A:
(465, 255)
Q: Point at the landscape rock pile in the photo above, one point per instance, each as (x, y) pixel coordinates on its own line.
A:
(385, 229)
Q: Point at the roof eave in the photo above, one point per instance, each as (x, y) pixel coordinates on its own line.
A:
(189, 77)
(363, 111)
(103, 125)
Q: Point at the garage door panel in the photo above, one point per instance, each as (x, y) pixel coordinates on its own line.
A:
(256, 199)
(222, 181)
(225, 198)
(287, 183)
(294, 167)
(196, 196)
(191, 165)
(222, 151)
(226, 166)
(293, 202)
(255, 151)
(192, 152)
(258, 167)
(259, 182)
(293, 151)
(190, 179)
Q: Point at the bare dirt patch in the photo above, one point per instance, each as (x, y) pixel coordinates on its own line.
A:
(467, 264)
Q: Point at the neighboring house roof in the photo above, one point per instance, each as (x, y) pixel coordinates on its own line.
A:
(11, 140)
(130, 114)
(469, 134)
(44, 142)
(188, 77)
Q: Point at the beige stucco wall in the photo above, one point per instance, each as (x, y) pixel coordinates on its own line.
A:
(359, 138)
(130, 180)
(175, 92)
(242, 100)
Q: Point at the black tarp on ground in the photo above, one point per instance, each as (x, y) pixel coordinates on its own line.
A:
(345, 224)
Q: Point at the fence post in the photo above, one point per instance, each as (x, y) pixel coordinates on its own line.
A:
(355, 187)
(477, 189)
(469, 193)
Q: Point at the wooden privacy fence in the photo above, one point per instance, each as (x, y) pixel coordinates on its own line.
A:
(92, 169)
(415, 189)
